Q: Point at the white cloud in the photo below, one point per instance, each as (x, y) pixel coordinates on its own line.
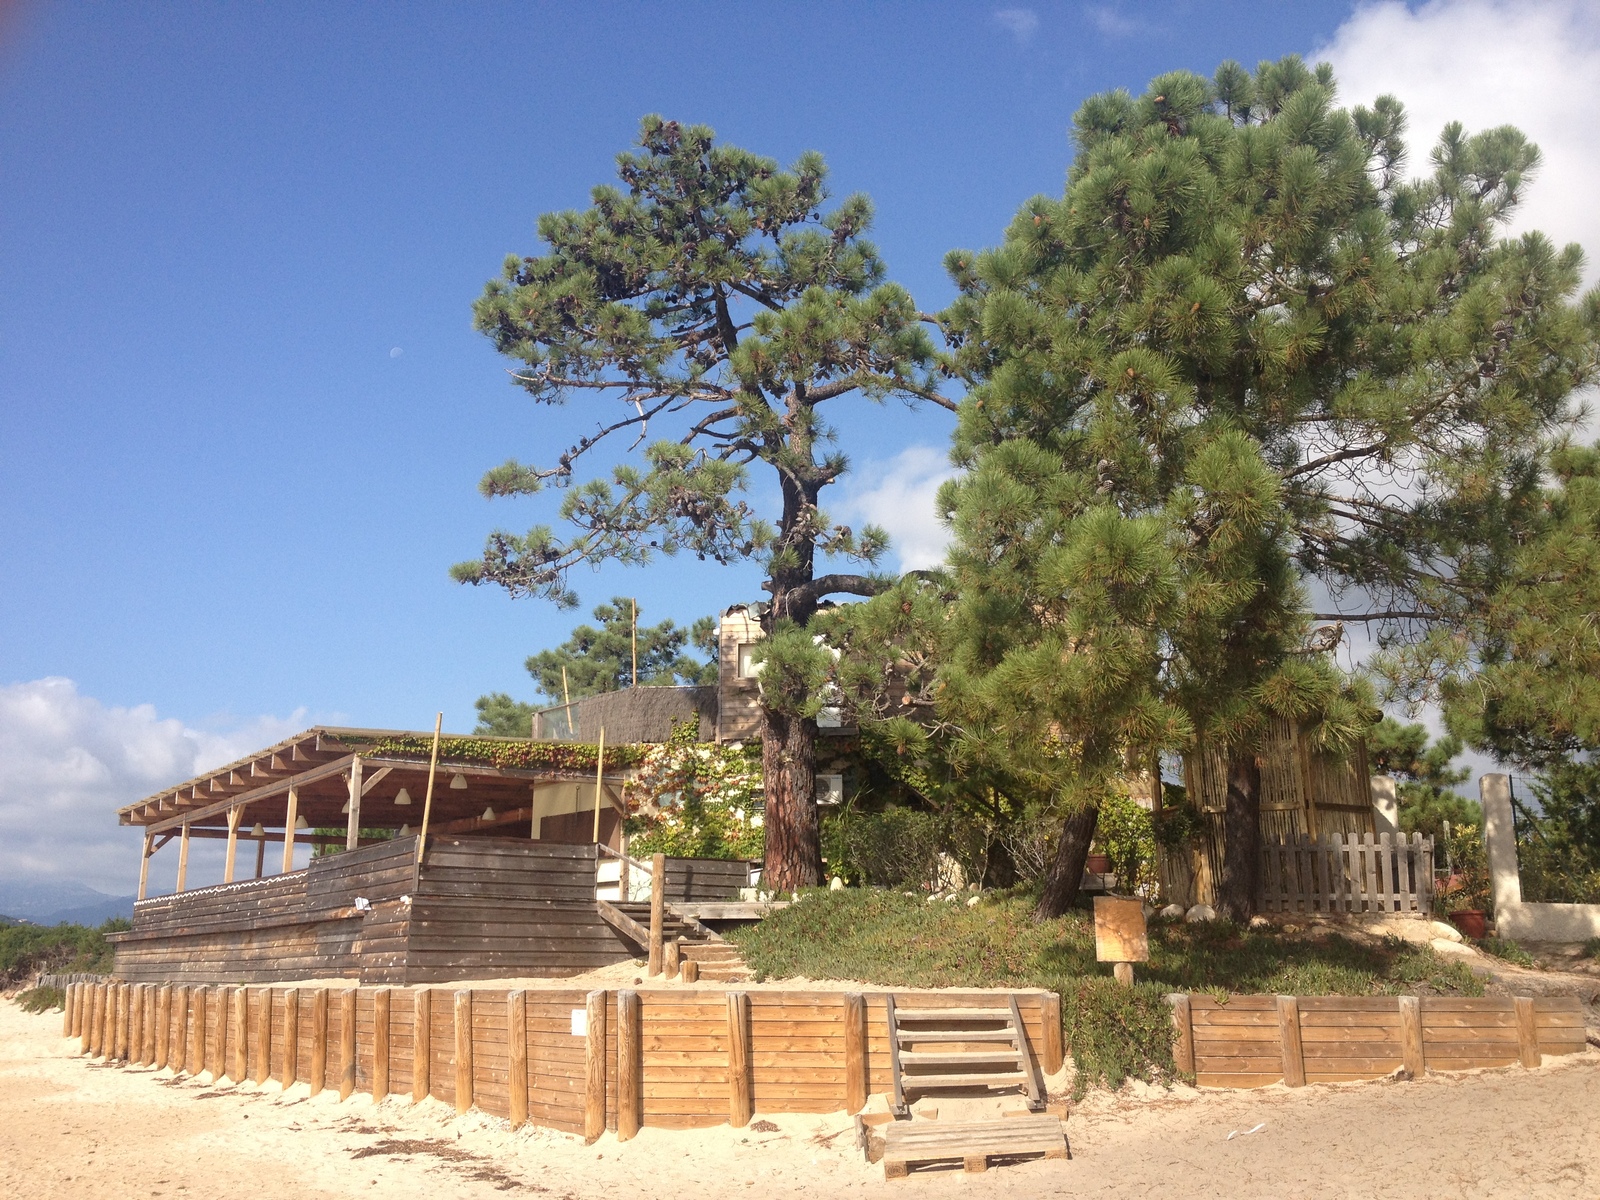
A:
(1111, 23)
(1021, 23)
(1534, 64)
(902, 502)
(67, 762)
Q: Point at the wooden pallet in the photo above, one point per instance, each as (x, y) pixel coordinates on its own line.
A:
(977, 1047)
(973, 1144)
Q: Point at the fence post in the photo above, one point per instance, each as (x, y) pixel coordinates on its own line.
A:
(741, 1100)
(1183, 1034)
(421, 1044)
(347, 1043)
(1294, 1057)
(380, 1044)
(594, 1066)
(630, 1090)
(1053, 1052)
(1411, 1047)
(1527, 1032)
(517, 1057)
(855, 1052)
(463, 1015)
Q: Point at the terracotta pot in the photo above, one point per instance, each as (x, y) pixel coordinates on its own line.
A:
(1098, 864)
(1472, 922)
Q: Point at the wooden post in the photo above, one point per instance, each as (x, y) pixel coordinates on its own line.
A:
(235, 814)
(217, 1045)
(66, 1010)
(421, 1044)
(1052, 1053)
(741, 1100)
(594, 1066)
(630, 1084)
(261, 854)
(517, 1057)
(113, 993)
(263, 1035)
(464, 1063)
(240, 1071)
(319, 1040)
(1123, 973)
(855, 1052)
(183, 858)
(352, 828)
(1527, 1032)
(136, 1023)
(380, 1044)
(195, 1060)
(1294, 1056)
(690, 971)
(658, 908)
(427, 802)
(163, 1027)
(1182, 1034)
(1411, 1046)
(144, 864)
(152, 1031)
(129, 990)
(291, 1037)
(347, 1043)
(289, 820)
(91, 1035)
(599, 777)
(673, 956)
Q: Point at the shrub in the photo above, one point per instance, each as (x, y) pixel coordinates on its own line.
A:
(1468, 884)
(898, 847)
(28, 949)
(41, 999)
(1115, 1033)
(1505, 948)
(1126, 832)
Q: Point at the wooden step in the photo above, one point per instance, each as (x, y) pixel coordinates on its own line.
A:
(957, 1035)
(973, 1143)
(998, 1079)
(921, 1015)
(958, 1058)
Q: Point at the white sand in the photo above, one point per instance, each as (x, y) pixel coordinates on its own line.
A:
(70, 1128)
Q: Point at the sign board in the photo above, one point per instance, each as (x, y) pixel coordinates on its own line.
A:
(1119, 930)
(580, 1022)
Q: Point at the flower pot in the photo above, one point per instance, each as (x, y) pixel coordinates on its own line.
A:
(1098, 864)
(1472, 922)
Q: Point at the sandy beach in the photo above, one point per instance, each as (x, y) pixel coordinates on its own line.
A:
(70, 1128)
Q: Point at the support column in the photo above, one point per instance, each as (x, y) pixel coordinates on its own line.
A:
(658, 904)
(234, 815)
(1500, 840)
(352, 829)
(289, 820)
(144, 864)
(183, 857)
(1385, 805)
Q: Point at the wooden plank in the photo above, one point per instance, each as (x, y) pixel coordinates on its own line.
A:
(464, 1048)
(1183, 1034)
(594, 1062)
(1033, 1084)
(1527, 1032)
(741, 1099)
(517, 1053)
(347, 1043)
(630, 1096)
(421, 1044)
(855, 1052)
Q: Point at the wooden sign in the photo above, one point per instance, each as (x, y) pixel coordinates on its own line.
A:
(1119, 930)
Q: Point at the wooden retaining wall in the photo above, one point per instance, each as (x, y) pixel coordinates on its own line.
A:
(1251, 1041)
(572, 1060)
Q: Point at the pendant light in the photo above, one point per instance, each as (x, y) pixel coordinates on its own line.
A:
(458, 782)
(402, 798)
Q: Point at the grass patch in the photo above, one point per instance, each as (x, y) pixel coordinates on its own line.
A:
(42, 999)
(892, 940)
(1506, 949)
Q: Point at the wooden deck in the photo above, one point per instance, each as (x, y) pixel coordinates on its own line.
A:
(972, 1143)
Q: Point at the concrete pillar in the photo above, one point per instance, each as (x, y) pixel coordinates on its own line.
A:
(1500, 840)
(1385, 805)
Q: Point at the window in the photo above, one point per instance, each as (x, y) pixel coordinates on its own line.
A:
(745, 665)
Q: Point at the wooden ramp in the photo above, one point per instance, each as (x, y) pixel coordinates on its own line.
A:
(943, 1049)
(973, 1144)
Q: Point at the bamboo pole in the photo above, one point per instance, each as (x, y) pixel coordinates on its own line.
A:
(463, 1015)
(380, 1043)
(517, 1057)
(347, 1043)
(633, 680)
(421, 1044)
(630, 1082)
(235, 815)
(599, 775)
(183, 857)
(566, 699)
(427, 803)
(289, 820)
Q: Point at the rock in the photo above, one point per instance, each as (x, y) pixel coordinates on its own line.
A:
(1172, 912)
(1456, 948)
(836, 884)
(1200, 912)
(1260, 923)
(1445, 930)
(972, 901)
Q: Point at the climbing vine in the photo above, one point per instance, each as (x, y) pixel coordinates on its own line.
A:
(559, 756)
(695, 799)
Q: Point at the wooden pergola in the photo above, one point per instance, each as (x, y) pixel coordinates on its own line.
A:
(326, 778)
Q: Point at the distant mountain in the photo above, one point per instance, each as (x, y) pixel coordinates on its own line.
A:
(51, 901)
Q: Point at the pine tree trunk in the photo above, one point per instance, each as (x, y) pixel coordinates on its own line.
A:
(1062, 884)
(788, 764)
(1241, 843)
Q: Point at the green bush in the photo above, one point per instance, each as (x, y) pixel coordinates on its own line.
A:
(42, 999)
(28, 949)
(898, 847)
(1505, 948)
(1116, 1033)
(1126, 833)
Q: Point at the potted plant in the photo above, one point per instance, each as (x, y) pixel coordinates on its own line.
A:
(1464, 895)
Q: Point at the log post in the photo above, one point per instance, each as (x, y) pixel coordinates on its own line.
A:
(658, 909)
(630, 1085)
(1053, 1055)
(517, 1057)
(1182, 1034)
(152, 1025)
(421, 1044)
(1527, 1032)
(347, 1043)
(66, 1010)
(741, 1098)
(240, 1071)
(263, 1051)
(1412, 1052)
(217, 1033)
(195, 1059)
(291, 1037)
(163, 1027)
(136, 1024)
(183, 858)
(178, 1031)
(690, 971)
(352, 829)
(113, 994)
(594, 1066)
(234, 815)
(464, 1062)
(289, 820)
(1294, 1057)
(319, 1040)
(128, 992)
(855, 1052)
(673, 955)
(380, 1044)
(89, 1036)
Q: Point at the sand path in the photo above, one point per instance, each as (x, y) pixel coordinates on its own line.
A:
(71, 1129)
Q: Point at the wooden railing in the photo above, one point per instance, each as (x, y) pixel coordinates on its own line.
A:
(1348, 874)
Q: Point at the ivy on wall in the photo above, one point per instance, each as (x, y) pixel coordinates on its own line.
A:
(556, 756)
(696, 800)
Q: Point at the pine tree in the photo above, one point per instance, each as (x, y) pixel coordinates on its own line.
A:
(601, 659)
(1425, 775)
(713, 298)
(1241, 352)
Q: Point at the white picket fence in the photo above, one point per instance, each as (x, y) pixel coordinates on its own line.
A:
(1349, 873)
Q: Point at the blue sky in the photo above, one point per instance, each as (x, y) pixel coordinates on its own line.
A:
(242, 407)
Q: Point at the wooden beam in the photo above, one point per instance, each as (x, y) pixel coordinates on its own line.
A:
(510, 816)
(517, 1057)
(144, 864)
(325, 771)
(599, 779)
(292, 816)
(183, 858)
(1182, 1034)
(630, 1084)
(375, 780)
(194, 1061)
(163, 1026)
(1052, 1051)
(741, 1097)
(235, 815)
(352, 829)
(594, 1066)
(421, 1044)
(463, 1014)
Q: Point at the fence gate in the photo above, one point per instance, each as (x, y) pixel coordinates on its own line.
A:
(1348, 873)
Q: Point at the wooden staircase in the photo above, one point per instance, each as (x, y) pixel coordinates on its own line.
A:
(942, 1049)
(713, 957)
